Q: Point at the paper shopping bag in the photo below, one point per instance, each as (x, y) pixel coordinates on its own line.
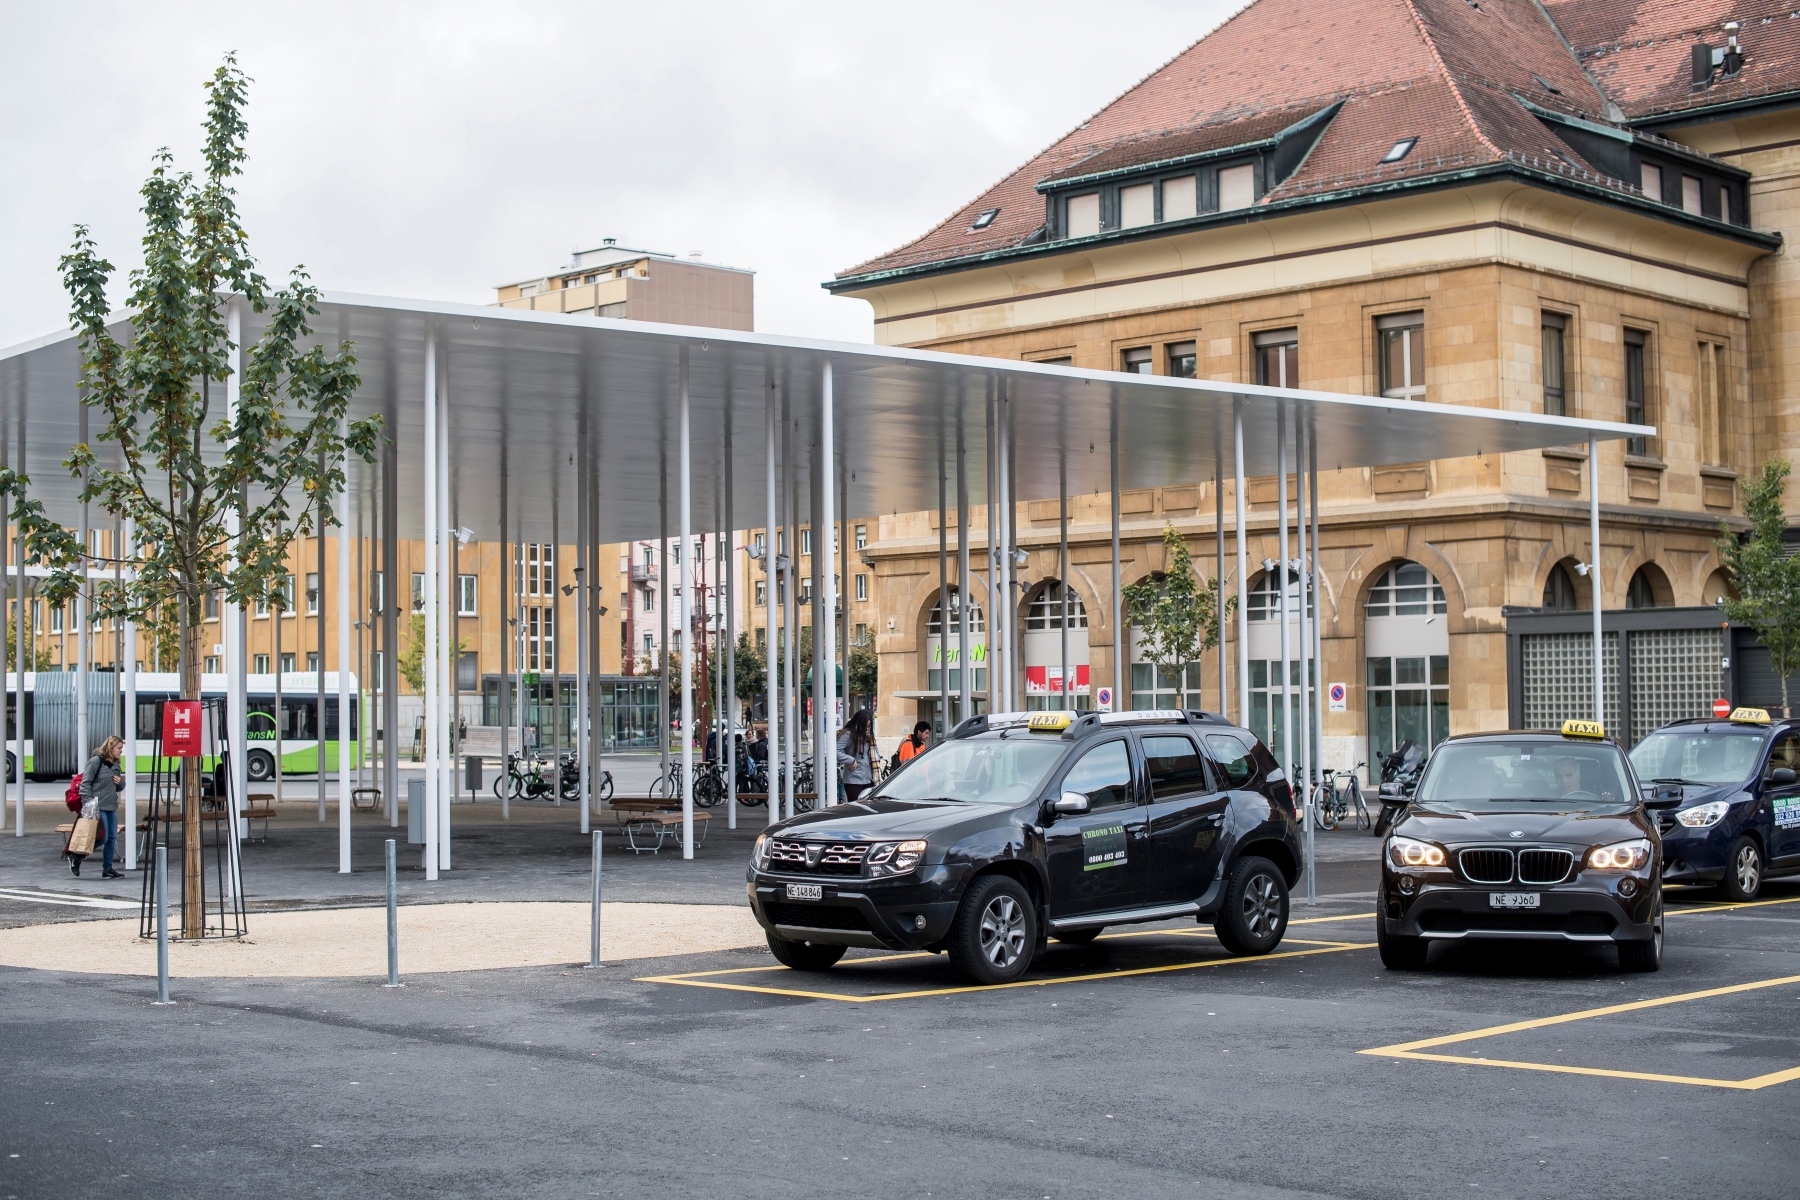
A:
(81, 840)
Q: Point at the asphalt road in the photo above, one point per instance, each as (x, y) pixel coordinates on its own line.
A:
(1198, 1075)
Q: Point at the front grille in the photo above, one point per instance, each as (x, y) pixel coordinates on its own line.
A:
(832, 858)
(1583, 924)
(1544, 866)
(816, 916)
(1486, 866)
(1665, 821)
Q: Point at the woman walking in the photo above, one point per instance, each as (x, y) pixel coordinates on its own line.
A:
(100, 782)
(856, 756)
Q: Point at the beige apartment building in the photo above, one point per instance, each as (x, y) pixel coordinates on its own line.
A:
(1579, 208)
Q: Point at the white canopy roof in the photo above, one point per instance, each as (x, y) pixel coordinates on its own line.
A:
(531, 394)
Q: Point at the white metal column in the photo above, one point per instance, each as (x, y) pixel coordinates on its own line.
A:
(446, 637)
(343, 675)
(130, 730)
(965, 590)
(1594, 581)
(826, 621)
(771, 608)
(728, 594)
(1003, 618)
(584, 565)
(428, 445)
(687, 620)
(1307, 666)
(1281, 584)
(1121, 670)
(1243, 570)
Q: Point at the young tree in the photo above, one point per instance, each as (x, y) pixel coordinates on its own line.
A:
(411, 662)
(865, 667)
(752, 672)
(1176, 613)
(37, 658)
(1766, 577)
(185, 469)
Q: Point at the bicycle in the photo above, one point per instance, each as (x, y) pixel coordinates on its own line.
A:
(523, 778)
(571, 779)
(709, 784)
(1333, 802)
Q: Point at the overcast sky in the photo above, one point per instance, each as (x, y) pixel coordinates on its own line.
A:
(436, 150)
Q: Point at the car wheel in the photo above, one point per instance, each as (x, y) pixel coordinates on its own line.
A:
(260, 766)
(1743, 870)
(994, 934)
(1398, 953)
(1079, 937)
(1643, 956)
(804, 956)
(1255, 912)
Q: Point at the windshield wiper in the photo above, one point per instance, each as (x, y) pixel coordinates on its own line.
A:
(1675, 779)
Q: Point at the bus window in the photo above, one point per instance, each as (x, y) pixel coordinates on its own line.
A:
(301, 724)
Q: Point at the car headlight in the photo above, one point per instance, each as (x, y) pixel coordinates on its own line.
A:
(1620, 856)
(1404, 852)
(895, 858)
(1703, 816)
(759, 854)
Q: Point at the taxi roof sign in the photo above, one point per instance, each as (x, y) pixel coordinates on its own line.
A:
(1050, 722)
(1583, 729)
(1750, 716)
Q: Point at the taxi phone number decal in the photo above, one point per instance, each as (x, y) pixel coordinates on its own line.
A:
(1787, 811)
(1103, 847)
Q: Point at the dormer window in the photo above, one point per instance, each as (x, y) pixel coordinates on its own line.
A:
(1401, 149)
(1084, 215)
(985, 219)
(1237, 187)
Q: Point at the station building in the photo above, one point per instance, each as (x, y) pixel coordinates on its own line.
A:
(1579, 207)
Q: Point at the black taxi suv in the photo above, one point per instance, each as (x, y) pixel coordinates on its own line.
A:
(1539, 835)
(1738, 822)
(1020, 827)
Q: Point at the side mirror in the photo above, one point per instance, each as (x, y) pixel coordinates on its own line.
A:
(1783, 777)
(1070, 804)
(1390, 793)
(1664, 795)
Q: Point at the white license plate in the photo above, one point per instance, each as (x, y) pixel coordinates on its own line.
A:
(1512, 899)
(816, 891)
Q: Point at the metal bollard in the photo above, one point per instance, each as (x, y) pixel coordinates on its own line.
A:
(393, 921)
(594, 948)
(162, 924)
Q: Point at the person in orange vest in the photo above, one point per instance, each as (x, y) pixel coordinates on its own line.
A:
(915, 744)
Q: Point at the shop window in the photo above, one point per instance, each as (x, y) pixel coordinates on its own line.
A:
(1160, 687)
(1409, 701)
(1265, 699)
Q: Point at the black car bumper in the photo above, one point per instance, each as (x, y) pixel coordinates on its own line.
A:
(1696, 855)
(901, 914)
(1460, 911)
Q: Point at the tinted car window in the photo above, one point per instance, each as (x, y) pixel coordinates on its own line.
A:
(1233, 757)
(1784, 753)
(1696, 754)
(1174, 766)
(1501, 775)
(1103, 775)
(988, 769)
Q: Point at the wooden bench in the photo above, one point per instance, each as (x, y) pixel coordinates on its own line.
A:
(260, 807)
(664, 825)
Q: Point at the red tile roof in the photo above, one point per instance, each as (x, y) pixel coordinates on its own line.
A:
(1447, 72)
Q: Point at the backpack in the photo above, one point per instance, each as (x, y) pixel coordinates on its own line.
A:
(72, 797)
(894, 762)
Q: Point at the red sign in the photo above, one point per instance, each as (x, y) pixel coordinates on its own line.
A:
(181, 729)
(1721, 708)
(1048, 681)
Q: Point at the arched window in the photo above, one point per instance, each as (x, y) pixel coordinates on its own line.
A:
(1643, 590)
(1559, 590)
(1046, 611)
(1265, 601)
(1406, 590)
(935, 627)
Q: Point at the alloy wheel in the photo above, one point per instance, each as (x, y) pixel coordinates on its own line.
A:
(1262, 906)
(1747, 870)
(1002, 931)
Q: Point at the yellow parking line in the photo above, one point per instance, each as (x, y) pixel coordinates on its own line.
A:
(700, 979)
(1688, 912)
(1412, 1049)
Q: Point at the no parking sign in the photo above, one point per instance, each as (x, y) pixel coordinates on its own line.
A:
(1338, 695)
(1103, 699)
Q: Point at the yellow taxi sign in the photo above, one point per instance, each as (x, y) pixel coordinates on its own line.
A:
(1750, 716)
(1583, 729)
(1050, 722)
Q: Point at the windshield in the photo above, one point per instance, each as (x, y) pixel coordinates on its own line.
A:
(1698, 755)
(989, 769)
(1504, 775)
